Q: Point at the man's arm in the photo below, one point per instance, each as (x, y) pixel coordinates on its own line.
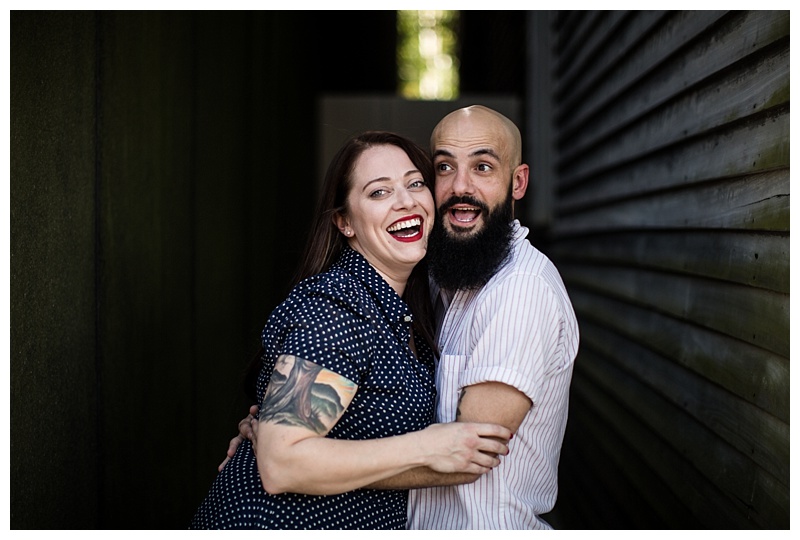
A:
(246, 431)
(495, 402)
(491, 402)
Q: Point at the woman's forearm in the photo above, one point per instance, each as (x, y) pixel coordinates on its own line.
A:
(291, 461)
(322, 466)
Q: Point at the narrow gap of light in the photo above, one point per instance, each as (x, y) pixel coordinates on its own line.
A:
(427, 54)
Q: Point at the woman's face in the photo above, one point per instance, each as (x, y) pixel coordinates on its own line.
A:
(390, 211)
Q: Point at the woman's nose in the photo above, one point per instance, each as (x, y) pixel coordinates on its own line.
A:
(405, 199)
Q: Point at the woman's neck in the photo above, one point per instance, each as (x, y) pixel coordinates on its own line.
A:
(398, 283)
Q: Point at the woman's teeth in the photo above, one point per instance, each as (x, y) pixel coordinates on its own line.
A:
(413, 224)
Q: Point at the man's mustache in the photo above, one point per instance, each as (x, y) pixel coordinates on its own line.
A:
(463, 199)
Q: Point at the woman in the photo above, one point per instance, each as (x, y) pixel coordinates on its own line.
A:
(347, 375)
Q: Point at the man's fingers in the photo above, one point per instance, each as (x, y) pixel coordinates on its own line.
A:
(234, 444)
(246, 431)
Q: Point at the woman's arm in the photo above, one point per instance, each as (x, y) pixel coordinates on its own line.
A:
(295, 456)
(485, 402)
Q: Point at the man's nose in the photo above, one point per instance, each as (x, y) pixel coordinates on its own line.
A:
(462, 183)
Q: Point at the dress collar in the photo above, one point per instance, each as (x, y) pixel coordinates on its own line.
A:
(386, 298)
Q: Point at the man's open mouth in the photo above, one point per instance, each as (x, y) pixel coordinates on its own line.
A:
(465, 215)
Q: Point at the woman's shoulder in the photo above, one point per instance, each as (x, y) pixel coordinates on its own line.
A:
(333, 289)
(335, 282)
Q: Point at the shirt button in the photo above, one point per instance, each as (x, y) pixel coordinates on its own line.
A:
(407, 318)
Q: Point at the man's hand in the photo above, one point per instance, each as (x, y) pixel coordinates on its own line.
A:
(247, 430)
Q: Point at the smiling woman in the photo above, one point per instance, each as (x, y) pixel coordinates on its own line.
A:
(390, 213)
(346, 374)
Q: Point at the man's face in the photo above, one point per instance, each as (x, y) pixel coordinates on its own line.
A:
(474, 193)
(473, 173)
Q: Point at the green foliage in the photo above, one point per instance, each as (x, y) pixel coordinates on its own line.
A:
(427, 54)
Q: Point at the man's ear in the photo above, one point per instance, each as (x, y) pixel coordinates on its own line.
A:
(520, 182)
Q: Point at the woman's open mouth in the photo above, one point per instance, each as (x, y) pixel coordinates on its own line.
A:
(406, 229)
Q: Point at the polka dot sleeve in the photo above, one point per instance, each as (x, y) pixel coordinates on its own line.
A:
(329, 327)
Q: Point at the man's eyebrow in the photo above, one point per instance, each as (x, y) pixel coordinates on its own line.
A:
(485, 152)
(478, 152)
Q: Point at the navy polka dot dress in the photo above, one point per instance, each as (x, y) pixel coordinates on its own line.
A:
(350, 321)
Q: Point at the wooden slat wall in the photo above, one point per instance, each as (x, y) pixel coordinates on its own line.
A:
(671, 231)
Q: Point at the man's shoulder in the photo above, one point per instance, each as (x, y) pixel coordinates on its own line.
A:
(525, 262)
(529, 275)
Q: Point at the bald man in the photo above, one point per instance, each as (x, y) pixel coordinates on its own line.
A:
(508, 338)
(506, 331)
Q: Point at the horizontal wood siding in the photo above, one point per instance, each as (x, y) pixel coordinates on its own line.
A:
(671, 231)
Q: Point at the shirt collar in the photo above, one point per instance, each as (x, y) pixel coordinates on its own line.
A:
(520, 232)
(386, 298)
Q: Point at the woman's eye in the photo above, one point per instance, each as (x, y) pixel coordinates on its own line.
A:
(378, 193)
(417, 184)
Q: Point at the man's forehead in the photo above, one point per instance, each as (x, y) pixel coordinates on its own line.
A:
(470, 134)
(469, 151)
(487, 145)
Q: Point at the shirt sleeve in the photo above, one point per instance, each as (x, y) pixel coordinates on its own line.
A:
(327, 327)
(517, 336)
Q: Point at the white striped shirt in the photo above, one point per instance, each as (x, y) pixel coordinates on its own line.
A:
(519, 329)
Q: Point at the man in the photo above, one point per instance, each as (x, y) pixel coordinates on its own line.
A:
(507, 332)
(509, 336)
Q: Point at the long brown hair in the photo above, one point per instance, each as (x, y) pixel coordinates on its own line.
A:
(325, 242)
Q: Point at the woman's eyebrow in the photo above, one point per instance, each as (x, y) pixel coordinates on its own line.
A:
(386, 178)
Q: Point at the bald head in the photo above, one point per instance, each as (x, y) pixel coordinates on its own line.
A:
(477, 121)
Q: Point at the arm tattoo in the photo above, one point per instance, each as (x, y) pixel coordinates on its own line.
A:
(301, 393)
(460, 398)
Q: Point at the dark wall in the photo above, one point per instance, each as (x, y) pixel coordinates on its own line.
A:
(54, 383)
(672, 235)
(162, 185)
(493, 52)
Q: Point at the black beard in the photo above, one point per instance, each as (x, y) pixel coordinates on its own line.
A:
(470, 262)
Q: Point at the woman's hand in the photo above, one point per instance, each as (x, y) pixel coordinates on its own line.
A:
(463, 447)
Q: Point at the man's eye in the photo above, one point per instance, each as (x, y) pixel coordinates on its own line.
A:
(443, 167)
(484, 167)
